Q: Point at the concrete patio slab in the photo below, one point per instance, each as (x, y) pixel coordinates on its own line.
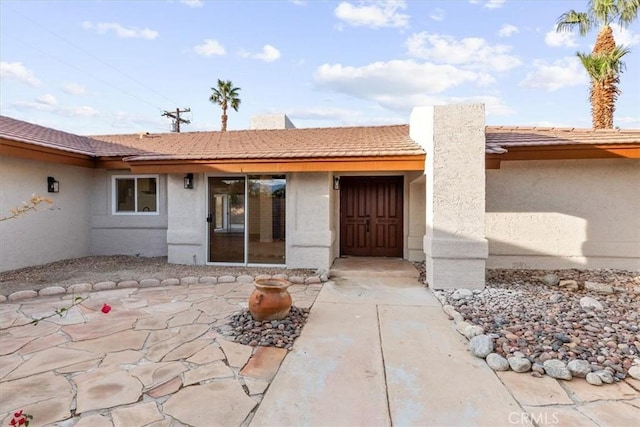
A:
(334, 375)
(376, 290)
(432, 380)
(532, 391)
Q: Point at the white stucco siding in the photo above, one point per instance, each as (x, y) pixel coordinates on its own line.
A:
(130, 234)
(310, 236)
(564, 214)
(187, 226)
(53, 232)
(416, 201)
(454, 244)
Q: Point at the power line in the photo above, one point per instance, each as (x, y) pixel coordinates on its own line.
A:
(4, 33)
(86, 52)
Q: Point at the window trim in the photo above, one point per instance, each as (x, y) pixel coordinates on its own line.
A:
(114, 195)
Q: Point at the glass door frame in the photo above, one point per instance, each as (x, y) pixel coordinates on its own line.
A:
(208, 225)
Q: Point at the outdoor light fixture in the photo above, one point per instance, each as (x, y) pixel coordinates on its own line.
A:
(336, 182)
(188, 181)
(53, 186)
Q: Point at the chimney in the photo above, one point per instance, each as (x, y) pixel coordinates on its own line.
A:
(271, 121)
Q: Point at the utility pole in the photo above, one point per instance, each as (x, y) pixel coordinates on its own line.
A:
(177, 119)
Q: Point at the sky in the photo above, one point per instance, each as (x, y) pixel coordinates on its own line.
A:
(115, 66)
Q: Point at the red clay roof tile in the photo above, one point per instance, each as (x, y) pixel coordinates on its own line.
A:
(366, 141)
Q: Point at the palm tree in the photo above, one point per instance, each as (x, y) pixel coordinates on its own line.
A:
(602, 13)
(225, 95)
(604, 70)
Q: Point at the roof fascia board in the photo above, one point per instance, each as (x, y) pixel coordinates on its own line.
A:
(39, 153)
(347, 164)
(564, 152)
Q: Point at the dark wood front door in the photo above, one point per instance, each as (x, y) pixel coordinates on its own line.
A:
(371, 216)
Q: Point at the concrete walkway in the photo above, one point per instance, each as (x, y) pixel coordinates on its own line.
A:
(379, 351)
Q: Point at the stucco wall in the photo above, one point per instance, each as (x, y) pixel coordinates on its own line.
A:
(187, 226)
(416, 201)
(454, 244)
(142, 235)
(564, 214)
(310, 236)
(53, 232)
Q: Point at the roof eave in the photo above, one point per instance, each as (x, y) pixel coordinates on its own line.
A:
(564, 152)
(327, 164)
(27, 150)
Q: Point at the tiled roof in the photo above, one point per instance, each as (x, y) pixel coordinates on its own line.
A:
(20, 131)
(269, 144)
(17, 130)
(365, 141)
(518, 136)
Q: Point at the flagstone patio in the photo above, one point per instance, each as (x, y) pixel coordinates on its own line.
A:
(155, 359)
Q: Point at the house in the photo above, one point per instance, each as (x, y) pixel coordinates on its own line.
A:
(445, 188)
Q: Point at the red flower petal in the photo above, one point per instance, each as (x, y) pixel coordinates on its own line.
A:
(13, 422)
(17, 414)
(22, 421)
(106, 308)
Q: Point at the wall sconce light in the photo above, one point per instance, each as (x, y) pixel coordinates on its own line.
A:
(53, 186)
(188, 181)
(336, 182)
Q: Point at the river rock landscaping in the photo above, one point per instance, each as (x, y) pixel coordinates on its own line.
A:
(563, 323)
(243, 329)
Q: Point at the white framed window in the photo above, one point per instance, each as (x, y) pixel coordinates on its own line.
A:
(134, 194)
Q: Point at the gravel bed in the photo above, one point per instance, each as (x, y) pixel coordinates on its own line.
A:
(590, 315)
(269, 333)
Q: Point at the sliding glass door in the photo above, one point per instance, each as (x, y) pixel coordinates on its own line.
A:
(226, 219)
(247, 219)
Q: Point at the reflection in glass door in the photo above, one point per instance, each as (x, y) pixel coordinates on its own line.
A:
(247, 219)
(226, 219)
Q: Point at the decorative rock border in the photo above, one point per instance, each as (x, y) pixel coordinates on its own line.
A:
(481, 345)
(151, 282)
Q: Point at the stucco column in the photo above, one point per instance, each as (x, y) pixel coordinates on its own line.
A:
(309, 234)
(454, 244)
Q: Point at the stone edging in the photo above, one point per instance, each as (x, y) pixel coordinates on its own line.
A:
(148, 283)
(482, 346)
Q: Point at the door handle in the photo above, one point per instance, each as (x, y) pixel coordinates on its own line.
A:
(209, 218)
(368, 221)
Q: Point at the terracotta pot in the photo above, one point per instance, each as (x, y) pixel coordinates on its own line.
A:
(270, 300)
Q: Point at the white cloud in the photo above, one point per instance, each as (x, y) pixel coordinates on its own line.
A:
(66, 111)
(74, 89)
(394, 78)
(437, 14)
(210, 47)
(494, 4)
(507, 30)
(560, 39)
(268, 54)
(472, 52)
(18, 72)
(628, 121)
(625, 36)
(120, 31)
(343, 116)
(193, 3)
(373, 14)
(47, 99)
(561, 73)
(489, 4)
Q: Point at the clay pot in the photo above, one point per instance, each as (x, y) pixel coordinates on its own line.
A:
(270, 300)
